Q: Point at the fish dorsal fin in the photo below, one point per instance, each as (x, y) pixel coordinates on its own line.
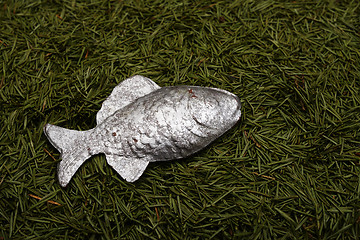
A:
(129, 168)
(126, 92)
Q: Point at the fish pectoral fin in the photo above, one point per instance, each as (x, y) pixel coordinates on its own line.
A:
(129, 168)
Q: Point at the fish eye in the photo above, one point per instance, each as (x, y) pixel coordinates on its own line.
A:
(211, 102)
(205, 110)
(213, 109)
(203, 100)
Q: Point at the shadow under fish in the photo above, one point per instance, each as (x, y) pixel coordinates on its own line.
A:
(141, 122)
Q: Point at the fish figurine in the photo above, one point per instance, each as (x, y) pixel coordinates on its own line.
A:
(141, 122)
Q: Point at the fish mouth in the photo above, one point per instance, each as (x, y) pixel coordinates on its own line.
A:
(237, 111)
(45, 128)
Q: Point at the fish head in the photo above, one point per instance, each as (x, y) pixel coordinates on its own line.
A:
(214, 108)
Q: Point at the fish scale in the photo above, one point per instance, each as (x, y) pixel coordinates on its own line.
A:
(141, 122)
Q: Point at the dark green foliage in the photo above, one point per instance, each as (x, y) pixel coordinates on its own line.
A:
(288, 170)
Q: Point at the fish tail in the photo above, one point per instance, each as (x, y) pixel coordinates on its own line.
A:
(74, 149)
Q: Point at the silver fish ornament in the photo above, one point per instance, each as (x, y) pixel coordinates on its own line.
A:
(141, 122)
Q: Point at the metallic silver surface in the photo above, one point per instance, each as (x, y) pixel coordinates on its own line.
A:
(141, 122)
